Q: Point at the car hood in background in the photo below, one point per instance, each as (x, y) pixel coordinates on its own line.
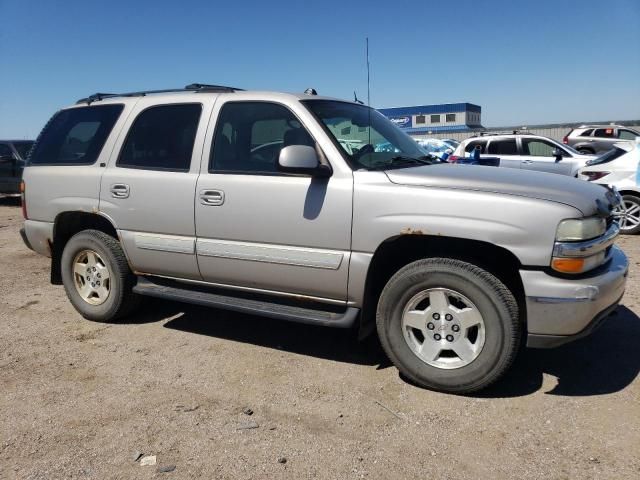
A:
(582, 195)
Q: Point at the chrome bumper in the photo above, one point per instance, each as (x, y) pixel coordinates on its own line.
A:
(560, 310)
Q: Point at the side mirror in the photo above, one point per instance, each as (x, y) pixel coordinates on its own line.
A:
(302, 159)
(558, 154)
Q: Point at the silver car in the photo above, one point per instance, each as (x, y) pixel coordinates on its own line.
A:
(591, 139)
(281, 205)
(527, 152)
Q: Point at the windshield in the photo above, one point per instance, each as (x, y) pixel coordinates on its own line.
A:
(23, 148)
(368, 139)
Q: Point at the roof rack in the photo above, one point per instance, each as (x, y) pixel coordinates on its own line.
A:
(192, 87)
(509, 132)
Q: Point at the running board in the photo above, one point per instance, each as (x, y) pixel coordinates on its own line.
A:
(311, 316)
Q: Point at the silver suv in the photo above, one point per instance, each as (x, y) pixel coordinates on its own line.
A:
(591, 139)
(170, 195)
(525, 151)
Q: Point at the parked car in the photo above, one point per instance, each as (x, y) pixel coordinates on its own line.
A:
(13, 154)
(160, 194)
(619, 168)
(591, 139)
(453, 143)
(524, 151)
(437, 148)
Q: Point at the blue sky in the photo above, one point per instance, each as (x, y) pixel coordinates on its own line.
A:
(523, 62)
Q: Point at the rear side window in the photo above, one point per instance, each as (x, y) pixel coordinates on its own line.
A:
(587, 132)
(626, 135)
(503, 147)
(75, 136)
(604, 133)
(471, 145)
(161, 138)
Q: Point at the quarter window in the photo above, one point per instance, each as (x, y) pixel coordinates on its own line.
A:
(503, 147)
(587, 132)
(75, 136)
(250, 135)
(162, 138)
(472, 145)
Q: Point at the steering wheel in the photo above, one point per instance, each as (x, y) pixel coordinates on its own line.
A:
(368, 148)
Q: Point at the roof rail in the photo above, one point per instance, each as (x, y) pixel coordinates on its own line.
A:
(192, 87)
(509, 132)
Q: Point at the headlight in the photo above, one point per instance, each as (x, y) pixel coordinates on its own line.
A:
(575, 230)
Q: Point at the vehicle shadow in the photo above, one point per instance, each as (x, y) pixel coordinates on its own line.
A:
(605, 362)
(9, 201)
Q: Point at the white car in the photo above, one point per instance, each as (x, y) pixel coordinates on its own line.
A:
(619, 168)
(436, 147)
(524, 151)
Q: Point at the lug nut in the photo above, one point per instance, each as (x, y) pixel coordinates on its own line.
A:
(436, 316)
(455, 328)
(437, 336)
(449, 338)
(448, 317)
(430, 326)
(94, 269)
(98, 284)
(99, 276)
(93, 285)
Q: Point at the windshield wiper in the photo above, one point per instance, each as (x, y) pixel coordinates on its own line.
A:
(400, 161)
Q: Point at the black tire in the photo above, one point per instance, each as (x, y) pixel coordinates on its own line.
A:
(634, 230)
(120, 301)
(495, 303)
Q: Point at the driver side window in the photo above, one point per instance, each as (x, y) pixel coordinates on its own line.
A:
(250, 135)
(537, 148)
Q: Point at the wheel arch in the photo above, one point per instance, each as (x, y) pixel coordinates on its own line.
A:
(396, 252)
(66, 225)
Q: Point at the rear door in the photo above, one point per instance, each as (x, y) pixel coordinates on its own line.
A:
(507, 150)
(537, 154)
(149, 187)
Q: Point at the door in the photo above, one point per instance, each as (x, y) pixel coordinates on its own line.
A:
(148, 190)
(8, 180)
(262, 229)
(507, 150)
(537, 154)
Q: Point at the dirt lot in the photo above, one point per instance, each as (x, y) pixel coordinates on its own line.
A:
(79, 399)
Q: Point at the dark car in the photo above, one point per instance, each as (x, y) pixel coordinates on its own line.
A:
(13, 154)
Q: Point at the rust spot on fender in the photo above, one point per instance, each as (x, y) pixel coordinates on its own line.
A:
(411, 231)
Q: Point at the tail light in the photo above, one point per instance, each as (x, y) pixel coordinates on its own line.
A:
(565, 140)
(453, 158)
(591, 176)
(23, 198)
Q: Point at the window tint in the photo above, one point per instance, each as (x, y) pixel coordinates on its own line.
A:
(161, 138)
(503, 147)
(626, 135)
(250, 135)
(587, 132)
(471, 145)
(435, 118)
(538, 148)
(23, 148)
(451, 117)
(420, 119)
(604, 132)
(75, 136)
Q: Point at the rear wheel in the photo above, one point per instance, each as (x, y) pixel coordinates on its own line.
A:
(96, 277)
(628, 215)
(448, 325)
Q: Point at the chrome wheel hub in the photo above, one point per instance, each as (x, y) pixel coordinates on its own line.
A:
(627, 215)
(443, 328)
(91, 277)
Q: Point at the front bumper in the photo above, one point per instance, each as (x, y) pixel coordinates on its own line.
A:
(560, 310)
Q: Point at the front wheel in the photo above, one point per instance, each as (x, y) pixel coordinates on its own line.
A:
(97, 278)
(628, 215)
(448, 325)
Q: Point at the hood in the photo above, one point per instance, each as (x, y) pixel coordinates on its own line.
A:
(589, 198)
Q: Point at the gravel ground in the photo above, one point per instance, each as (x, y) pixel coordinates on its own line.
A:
(82, 399)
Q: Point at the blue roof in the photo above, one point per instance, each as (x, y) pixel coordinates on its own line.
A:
(429, 109)
(450, 128)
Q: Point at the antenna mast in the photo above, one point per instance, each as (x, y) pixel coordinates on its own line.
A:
(368, 77)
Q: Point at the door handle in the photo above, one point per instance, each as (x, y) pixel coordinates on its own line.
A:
(211, 197)
(119, 190)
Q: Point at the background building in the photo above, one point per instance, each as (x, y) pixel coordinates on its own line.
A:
(431, 120)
